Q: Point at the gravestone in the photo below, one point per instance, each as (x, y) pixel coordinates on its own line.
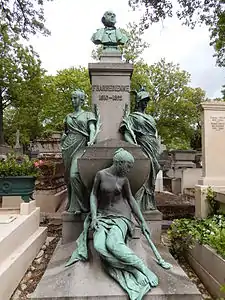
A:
(213, 143)
(213, 158)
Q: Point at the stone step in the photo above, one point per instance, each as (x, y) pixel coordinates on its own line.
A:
(88, 281)
(15, 266)
(14, 234)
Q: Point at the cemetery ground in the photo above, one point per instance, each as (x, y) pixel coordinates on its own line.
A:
(173, 206)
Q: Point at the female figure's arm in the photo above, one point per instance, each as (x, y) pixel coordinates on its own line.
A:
(92, 133)
(135, 207)
(94, 200)
(128, 138)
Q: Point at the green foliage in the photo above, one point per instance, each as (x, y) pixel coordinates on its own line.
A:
(183, 233)
(57, 96)
(210, 197)
(49, 100)
(190, 12)
(173, 104)
(20, 85)
(23, 17)
(218, 37)
(15, 165)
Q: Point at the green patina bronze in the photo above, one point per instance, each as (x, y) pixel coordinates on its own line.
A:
(140, 128)
(110, 36)
(111, 205)
(22, 186)
(81, 129)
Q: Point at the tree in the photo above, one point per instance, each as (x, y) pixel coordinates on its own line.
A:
(43, 105)
(133, 49)
(57, 95)
(173, 104)
(23, 17)
(20, 75)
(190, 12)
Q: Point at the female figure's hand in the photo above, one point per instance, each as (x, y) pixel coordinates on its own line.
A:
(94, 224)
(90, 143)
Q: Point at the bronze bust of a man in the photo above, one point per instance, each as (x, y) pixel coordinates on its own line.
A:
(110, 36)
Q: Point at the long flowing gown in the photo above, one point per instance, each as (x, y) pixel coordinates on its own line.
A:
(73, 146)
(142, 128)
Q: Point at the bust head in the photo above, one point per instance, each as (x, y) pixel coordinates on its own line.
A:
(109, 19)
(78, 97)
(123, 161)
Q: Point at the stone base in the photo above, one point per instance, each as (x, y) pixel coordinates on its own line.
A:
(20, 242)
(154, 221)
(88, 281)
(111, 56)
(212, 181)
(72, 226)
(202, 207)
(209, 266)
(48, 200)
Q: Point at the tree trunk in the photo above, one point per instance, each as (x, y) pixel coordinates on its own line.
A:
(1, 122)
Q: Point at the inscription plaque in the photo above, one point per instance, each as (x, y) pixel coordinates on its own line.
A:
(217, 123)
(110, 88)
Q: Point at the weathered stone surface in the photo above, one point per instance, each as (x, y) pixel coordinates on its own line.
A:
(213, 143)
(40, 254)
(209, 266)
(99, 156)
(16, 295)
(154, 220)
(87, 281)
(72, 226)
(111, 92)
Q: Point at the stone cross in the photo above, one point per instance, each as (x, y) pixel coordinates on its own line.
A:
(17, 139)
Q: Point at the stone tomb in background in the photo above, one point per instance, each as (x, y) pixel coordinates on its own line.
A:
(213, 154)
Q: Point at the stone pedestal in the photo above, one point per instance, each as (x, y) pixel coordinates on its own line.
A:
(88, 281)
(202, 207)
(20, 241)
(154, 220)
(213, 144)
(213, 158)
(48, 200)
(100, 156)
(72, 226)
(110, 79)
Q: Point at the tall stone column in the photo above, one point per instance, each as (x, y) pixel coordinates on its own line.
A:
(213, 158)
(110, 79)
(213, 144)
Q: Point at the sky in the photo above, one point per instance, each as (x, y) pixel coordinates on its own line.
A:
(72, 23)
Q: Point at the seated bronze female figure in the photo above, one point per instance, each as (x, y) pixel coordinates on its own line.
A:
(112, 204)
